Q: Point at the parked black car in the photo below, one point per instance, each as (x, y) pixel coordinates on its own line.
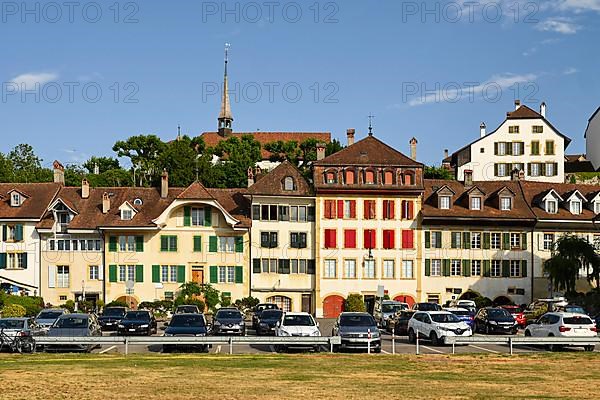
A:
(426, 307)
(140, 322)
(398, 324)
(110, 318)
(495, 320)
(258, 309)
(229, 321)
(268, 322)
(192, 324)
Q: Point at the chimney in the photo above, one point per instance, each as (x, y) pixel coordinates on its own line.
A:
(59, 173)
(543, 109)
(350, 134)
(445, 153)
(105, 203)
(164, 185)
(517, 104)
(320, 151)
(468, 178)
(85, 189)
(482, 129)
(250, 177)
(413, 148)
(96, 169)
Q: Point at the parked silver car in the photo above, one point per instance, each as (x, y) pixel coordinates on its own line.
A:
(16, 334)
(357, 329)
(74, 325)
(47, 317)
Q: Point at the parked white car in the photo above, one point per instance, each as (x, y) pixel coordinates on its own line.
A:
(436, 326)
(560, 324)
(297, 324)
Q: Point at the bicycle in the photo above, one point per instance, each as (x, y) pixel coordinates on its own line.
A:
(21, 343)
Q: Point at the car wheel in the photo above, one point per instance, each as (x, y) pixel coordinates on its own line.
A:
(317, 349)
(589, 348)
(434, 339)
(166, 349)
(412, 338)
(527, 333)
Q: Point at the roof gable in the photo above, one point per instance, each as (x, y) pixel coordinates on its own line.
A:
(195, 191)
(575, 193)
(272, 184)
(523, 112)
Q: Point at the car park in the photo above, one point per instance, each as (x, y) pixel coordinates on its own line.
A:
(140, 322)
(268, 322)
(229, 321)
(560, 324)
(47, 317)
(517, 314)
(191, 324)
(187, 309)
(258, 309)
(495, 320)
(426, 307)
(357, 331)
(436, 326)
(463, 314)
(16, 334)
(385, 309)
(293, 324)
(110, 318)
(74, 325)
(398, 325)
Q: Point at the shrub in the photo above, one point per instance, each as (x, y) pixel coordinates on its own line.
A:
(481, 301)
(354, 303)
(247, 303)
(85, 306)
(32, 305)
(117, 304)
(13, 311)
(69, 305)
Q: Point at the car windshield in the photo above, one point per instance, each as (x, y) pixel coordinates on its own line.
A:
(444, 318)
(266, 307)
(271, 314)
(187, 309)
(114, 312)
(428, 307)
(391, 308)
(498, 313)
(298, 320)
(187, 321)
(11, 324)
(71, 322)
(461, 313)
(228, 314)
(143, 315)
(50, 314)
(577, 320)
(357, 320)
(575, 309)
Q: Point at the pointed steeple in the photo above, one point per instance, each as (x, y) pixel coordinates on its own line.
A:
(225, 117)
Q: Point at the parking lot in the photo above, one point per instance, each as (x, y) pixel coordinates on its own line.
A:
(401, 346)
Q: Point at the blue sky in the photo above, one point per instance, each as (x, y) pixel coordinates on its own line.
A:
(434, 72)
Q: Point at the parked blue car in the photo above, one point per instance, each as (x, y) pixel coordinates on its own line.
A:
(464, 315)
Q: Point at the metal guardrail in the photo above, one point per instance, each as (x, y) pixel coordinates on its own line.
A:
(190, 340)
(522, 340)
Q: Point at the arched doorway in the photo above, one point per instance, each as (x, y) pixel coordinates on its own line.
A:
(333, 306)
(502, 301)
(469, 295)
(131, 301)
(284, 303)
(404, 298)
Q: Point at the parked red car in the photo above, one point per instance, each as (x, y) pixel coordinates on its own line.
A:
(517, 314)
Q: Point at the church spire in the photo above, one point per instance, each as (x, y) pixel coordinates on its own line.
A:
(225, 117)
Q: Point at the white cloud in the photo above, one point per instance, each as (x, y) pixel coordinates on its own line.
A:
(578, 5)
(29, 81)
(452, 93)
(570, 71)
(562, 25)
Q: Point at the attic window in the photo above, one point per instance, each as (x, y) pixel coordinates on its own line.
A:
(349, 174)
(330, 177)
(138, 202)
(597, 207)
(445, 202)
(575, 207)
(506, 203)
(126, 215)
(551, 206)
(370, 177)
(388, 178)
(475, 203)
(15, 200)
(289, 184)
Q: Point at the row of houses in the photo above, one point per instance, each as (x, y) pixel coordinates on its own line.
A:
(367, 219)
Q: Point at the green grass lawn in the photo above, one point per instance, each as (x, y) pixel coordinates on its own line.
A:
(190, 376)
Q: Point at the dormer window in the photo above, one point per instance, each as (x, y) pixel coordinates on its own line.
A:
(15, 200)
(388, 178)
(370, 177)
(445, 202)
(505, 203)
(551, 206)
(475, 203)
(289, 184)
(350, 177)
(597, 207)
(330, 177)
(575, 207)
(126, 215)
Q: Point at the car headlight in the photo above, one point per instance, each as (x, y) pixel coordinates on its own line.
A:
(442, 328)
(493, 323)
(144, 326)
(316, 333)
(200, 334)
(169, 334)
(217, 323)
(374, 335)
(284, 333)
(121, 326)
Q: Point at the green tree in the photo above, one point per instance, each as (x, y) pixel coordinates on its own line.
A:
(185, 160)
(333, 147)
(104, 164)
(143, 151)
(433, 172)
(354, 303)
(572, 254)
(236, 156)
(13, 311)
(6, 169)
(73, 175)
(25, 163)
(281, 151)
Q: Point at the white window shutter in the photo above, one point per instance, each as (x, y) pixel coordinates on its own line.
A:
(51, 276)
(101, 272)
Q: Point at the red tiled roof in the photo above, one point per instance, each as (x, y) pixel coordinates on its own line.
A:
(195, 191)
(536, 191)
(523, 112)
(211, 139)
(271, 184)
(236, 204)
(38, 197)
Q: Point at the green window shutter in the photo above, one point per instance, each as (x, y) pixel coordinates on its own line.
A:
(197, 244)
(139, 244)
(181, 274)
(112, 244)
(446, 268)
(454, 240)
(156, 274)
(486, 240)
(427, 239)
(495, 148)
(139, 273)
(239, 244)
(4, 233)
(427, 267)
(487, 266)
(466, 267)
(506, 241)
(207, 216)
(466, 240)
(505, 268)
(25, 257)
(524, 241)
(212, 244)
(18, 233)
(214, 274)
(438, 240)
(239, 274)
(112, 273)
(256, 265)
(176, 240)
(187, 216)
(524, 268)
(164, 243)
(2, 260)
(495, 169)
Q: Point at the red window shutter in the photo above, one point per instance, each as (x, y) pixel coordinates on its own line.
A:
(330, 238)
(403, 204)
(391, 205)
(392, 239)
(353, 209)
(367, 207)
(388, 239)
(407, 239)
(350, 239)
(328, 209)
(373, 239)
(340, 209)
(367, 239)
(385, 212)
(410, 210)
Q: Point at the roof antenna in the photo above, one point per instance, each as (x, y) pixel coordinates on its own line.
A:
(371, 116)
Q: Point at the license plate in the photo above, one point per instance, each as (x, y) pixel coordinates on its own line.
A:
(131, 330)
